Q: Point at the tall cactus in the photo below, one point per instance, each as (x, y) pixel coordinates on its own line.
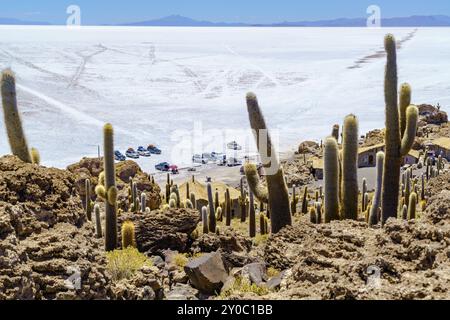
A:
(398, 143)
(212, 211)
(13, 123)
(279, 205)
(331, 180)
(111, 190)
(350, 168)
(376, 203)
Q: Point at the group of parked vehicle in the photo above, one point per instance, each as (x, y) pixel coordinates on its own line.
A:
(141, 152)
(219, 159)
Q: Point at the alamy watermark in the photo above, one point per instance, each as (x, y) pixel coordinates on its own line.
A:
(374, 20)
(74, 18)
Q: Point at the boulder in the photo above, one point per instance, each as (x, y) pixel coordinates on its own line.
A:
(162, 229)
(432, 115)
(255, 273)
(144, 285)
(207, 273)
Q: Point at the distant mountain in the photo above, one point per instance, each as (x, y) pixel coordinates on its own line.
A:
(180, 21)
(11, 21)
(413, 21)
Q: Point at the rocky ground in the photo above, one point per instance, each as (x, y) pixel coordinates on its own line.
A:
(45, 238)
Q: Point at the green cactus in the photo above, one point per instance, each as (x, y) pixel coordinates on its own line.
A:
(205, 220)
(252, 216)
(167, 193)
(188, 204)
(143, 201)
(13, 123)
(376, 202)
(227, 208)
(135, 197)
(313, 215)
(305, 201)
(193, 200)
(318, 207)
(110, 188)
(331, 180)
(87, 203)
(262, 224)
(350, 168)
(412, 206)
(335, 132)
(397, 143)
(254, 182)
(212, 212)
(277, 191)
(172, 203)
(404, 212)
(35, 156)
(219, 214)
(407, 185)
(174, 190)
(98, 221)
(128, 235)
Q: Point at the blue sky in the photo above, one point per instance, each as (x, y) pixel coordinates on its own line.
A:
(251, 11)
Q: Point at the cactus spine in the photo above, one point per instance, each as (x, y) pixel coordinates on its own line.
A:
(398, 143)
(350, 169)
(376, 203)
(98, 222)
(331, 180)
(278, 194)
(110, 188)
(252, 216)
(13, 123)
(128, 235)
(212, 211)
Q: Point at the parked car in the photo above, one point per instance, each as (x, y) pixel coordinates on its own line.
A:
(234, 146)
(143, 152)
(199, 159)
(233, 162)
(153, 149)
(131, 153)
(218, 156)
(163, 166)
(119, 156)
(174, 169)
(192, 169)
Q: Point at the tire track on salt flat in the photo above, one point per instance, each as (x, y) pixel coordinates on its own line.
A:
(74, 113)
(85, 59)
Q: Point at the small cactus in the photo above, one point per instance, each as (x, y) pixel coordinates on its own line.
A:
(219, 214)
(143, 201)
(188, 204)
(412, 206)
(98, 222)
(228, 208)
(313, 215)
(205, 220)
(252, 217)
(318, 207)
(13, 123)
(262, 223)
(212, 215)
(305, 201)
(376, 203)
(35, 156)
(128, 235)
(404, 212)
(172, 204)
(88, 205)
(193, 200)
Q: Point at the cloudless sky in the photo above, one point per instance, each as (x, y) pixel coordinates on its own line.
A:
(250, 11)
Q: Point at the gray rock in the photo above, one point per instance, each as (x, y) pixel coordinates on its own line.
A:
(158, 262)
(274, 283)
(207, 273)
(182, 292)
(255, 272)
